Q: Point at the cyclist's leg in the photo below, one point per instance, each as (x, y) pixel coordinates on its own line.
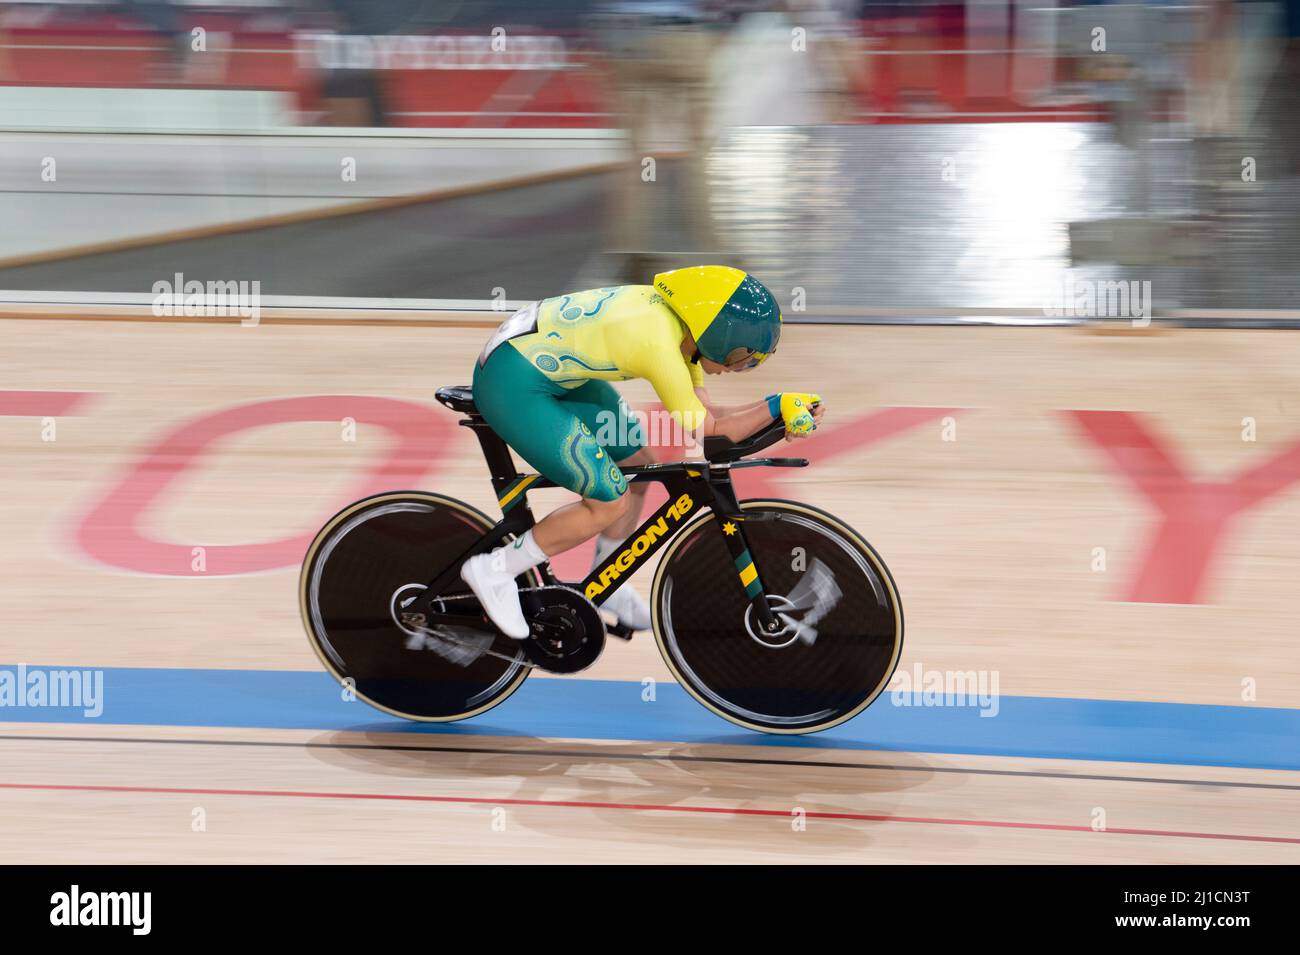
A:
(622, 436)
(533, 416)
(602, 409)
(548, 426)
(526, 409)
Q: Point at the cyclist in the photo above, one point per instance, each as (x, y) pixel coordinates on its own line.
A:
(542, 383)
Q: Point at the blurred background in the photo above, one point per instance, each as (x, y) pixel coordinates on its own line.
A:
(909, 161)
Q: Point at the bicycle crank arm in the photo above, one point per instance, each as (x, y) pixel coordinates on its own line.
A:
(448, 638)
(419, 621)
(476, 621)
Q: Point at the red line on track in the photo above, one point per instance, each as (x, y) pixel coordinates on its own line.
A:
(645, 807)
(41, 403)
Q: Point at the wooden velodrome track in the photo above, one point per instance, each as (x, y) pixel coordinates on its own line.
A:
(1108, 526)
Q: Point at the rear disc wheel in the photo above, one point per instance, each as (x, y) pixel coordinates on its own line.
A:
(370, 561)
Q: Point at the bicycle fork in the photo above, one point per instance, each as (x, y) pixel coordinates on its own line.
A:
(731, 520)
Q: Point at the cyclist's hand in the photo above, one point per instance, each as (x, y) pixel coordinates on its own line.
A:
(800, 412)
(818, 409)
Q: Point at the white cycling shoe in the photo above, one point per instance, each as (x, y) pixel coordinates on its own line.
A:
(498, 593)
(628, 606)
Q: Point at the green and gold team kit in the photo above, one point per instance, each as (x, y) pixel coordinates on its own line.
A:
(543, 382)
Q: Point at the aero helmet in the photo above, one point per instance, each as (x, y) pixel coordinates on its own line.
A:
(733, 316)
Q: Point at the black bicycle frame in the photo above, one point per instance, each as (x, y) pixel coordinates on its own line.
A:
(690, 486)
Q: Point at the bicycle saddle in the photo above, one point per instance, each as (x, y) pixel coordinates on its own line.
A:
(458, 398)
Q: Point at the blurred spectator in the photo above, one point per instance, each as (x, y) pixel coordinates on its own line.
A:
(351, 89)
(162, 17)
(660, 54)
(838, 66)
(352, 86)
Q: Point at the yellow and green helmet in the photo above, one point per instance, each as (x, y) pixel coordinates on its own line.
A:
(734, 318)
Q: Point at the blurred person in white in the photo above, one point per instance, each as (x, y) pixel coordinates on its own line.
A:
(836, 57)
(791, 63)
(660, 56)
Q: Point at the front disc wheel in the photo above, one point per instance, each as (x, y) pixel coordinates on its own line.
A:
(840, 629)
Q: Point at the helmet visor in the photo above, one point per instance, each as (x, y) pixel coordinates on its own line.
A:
(742, 359)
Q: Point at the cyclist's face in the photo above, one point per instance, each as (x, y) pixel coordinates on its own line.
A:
(718, 368)
(740, 359)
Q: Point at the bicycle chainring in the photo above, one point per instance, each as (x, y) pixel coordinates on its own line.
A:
(567, 633)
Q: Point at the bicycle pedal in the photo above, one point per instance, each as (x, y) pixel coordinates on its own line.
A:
(460, 648)
(620, 631)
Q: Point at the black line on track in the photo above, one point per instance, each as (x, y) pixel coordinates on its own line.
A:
(742, 760)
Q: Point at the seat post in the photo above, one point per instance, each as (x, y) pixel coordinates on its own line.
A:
(496, 452)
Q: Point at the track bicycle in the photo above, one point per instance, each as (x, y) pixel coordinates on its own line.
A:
(772, 613)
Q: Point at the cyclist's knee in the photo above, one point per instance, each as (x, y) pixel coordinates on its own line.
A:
(638, 459)
(604, 509)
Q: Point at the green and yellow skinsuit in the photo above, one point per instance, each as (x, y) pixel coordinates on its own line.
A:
(542, 382)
